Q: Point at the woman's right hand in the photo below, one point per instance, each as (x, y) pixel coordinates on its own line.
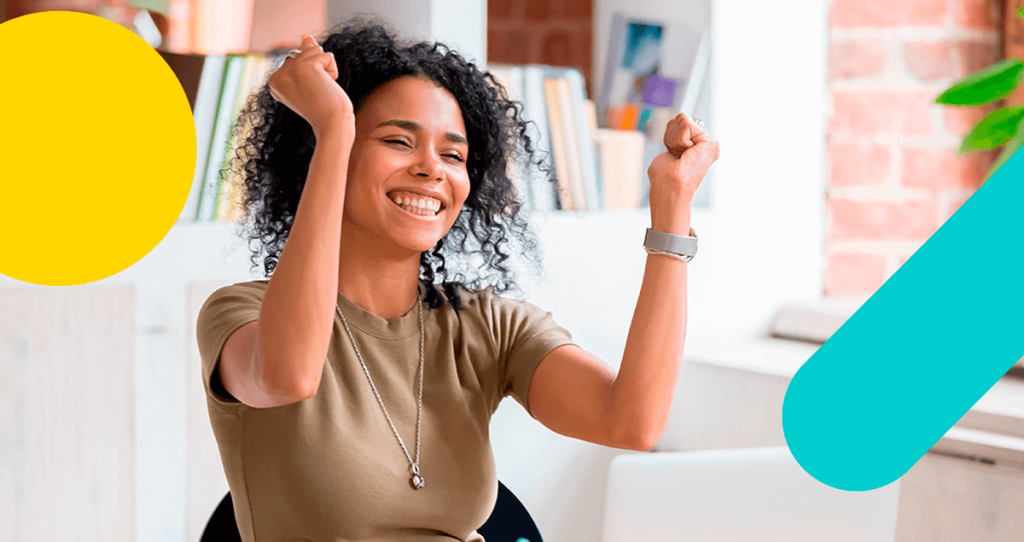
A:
(307, 84)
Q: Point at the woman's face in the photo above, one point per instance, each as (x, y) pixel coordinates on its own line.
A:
(407, 177)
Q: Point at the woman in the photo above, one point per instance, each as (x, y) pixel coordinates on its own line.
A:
(350, 396)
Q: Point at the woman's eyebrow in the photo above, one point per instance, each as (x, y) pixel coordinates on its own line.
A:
(415, 127)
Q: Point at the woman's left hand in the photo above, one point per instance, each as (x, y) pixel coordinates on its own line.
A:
(676, 173)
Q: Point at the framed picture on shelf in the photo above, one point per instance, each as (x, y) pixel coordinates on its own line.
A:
(653, 71)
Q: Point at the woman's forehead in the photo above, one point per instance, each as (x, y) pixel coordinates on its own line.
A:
(414, 99)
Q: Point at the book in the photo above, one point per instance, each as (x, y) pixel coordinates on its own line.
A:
(257, 68)
(585, 134)
(200, 77)
(514, 170)
(515, 79)
(621, 154)
(590, 114)
(572, 145)
(229, 182)
(558, 146)
(542, 190)
(219, 138)
(265, 66)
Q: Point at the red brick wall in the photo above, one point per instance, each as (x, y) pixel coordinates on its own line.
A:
(893, 176)
(1013, 42)
(552, 32)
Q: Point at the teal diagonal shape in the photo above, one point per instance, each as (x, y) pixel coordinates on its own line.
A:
(921, 351)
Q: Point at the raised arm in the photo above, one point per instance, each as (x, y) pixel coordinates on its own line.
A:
(279, 359)
(573, 392)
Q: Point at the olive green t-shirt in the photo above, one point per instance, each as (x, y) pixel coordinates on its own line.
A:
(329, 468)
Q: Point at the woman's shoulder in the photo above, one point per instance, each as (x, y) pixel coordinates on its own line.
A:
(255, 285)
(247, 291)
(485, 302)
(250, 286)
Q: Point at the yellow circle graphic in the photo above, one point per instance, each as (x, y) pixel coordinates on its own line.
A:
(97, 148)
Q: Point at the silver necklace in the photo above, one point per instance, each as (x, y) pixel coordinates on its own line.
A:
(417, 479)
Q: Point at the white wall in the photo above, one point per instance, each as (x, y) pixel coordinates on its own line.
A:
(410, 18)
(765, 233)
(460, 24)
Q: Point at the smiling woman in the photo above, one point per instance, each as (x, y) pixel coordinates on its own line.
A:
(351, 393)
(374, 167)
(382, 78)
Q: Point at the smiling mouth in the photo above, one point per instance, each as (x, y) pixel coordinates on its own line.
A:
(415, 209)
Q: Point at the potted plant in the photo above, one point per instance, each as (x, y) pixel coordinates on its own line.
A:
(1003, 127)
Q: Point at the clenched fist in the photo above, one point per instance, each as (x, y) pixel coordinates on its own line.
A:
(307, 84)
(676, 173)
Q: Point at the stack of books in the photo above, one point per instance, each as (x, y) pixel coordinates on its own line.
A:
(592, 168)
(217, 86)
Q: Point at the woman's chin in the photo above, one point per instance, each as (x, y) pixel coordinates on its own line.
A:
(418, 244)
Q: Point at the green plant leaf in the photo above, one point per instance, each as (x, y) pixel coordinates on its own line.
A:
(993, 131)
(1011, 147)
(1020, 13)
(993, 83)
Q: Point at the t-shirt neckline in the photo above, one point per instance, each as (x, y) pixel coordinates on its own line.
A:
(401, 327)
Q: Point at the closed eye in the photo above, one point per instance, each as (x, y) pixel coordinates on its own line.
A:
(399, 141)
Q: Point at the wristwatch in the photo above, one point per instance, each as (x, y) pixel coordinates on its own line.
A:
(681, 247)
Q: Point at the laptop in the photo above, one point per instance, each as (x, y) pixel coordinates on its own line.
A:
(739, 495)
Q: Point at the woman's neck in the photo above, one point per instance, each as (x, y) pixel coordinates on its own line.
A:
(382, 284)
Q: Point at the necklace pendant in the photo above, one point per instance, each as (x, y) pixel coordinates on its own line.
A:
(417, 481)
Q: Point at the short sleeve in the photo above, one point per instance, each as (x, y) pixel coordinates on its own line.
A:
(226, 310)
(524, 336)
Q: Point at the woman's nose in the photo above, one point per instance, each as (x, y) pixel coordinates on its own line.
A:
(428, 165)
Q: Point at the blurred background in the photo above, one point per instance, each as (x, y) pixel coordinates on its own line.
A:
(837, 164)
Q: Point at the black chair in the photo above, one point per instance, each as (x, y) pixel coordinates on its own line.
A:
(509, 521)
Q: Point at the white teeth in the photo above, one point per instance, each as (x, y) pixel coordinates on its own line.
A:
(414, 208)
(417, 210)
(429, 204)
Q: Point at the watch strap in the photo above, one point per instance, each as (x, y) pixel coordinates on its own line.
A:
(681, 245)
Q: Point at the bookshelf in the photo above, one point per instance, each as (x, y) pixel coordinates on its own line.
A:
(595, 168)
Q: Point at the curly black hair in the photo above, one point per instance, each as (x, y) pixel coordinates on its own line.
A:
(273, 156)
